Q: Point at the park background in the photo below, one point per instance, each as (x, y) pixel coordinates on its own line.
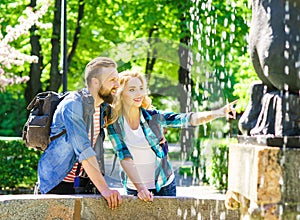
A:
(194, 55)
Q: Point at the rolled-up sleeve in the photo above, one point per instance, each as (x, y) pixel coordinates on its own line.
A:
(171, 119)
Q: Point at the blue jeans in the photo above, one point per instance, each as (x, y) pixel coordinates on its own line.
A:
(169, 190)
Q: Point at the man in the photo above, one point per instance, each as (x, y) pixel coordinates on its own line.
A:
(78, 130)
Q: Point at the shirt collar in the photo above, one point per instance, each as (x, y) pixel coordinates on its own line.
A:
(103, 105)
(146, 114)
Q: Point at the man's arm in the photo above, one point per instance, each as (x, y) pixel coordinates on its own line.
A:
(91, 167)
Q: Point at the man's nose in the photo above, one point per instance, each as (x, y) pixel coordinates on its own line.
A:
(117, 84)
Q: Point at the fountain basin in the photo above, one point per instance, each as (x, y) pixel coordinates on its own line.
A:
(266, 178)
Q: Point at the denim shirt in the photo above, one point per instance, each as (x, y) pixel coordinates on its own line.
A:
(61, 154)
(152, 123)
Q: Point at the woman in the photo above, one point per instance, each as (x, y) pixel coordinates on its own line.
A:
(137, 137)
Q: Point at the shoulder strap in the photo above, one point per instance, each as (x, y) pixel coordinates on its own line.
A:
(85, 101)
(114, 164)
(98, 147)
(154, 126)
(118, 129)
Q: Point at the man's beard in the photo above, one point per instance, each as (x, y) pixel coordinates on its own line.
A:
(106, 95)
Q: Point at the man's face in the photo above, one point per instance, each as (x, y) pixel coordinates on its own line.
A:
(109, 85)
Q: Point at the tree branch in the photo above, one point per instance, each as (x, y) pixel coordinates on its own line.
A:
(77, 33)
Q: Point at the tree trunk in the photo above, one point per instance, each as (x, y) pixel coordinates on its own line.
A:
(34, 84)
(185, 86)
(77, 32)
(55, 76)
(151, 55)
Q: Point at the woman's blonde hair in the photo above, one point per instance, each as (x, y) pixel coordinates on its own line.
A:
(124, 77)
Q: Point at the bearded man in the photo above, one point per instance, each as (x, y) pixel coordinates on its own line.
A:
(73, 162)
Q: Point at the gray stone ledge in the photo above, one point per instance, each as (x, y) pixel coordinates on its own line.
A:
(92, 207)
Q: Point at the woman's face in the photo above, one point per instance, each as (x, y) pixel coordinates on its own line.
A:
(133, 93)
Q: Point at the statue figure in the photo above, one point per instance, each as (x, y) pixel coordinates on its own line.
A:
(275, 53)
(274, 108)
(275, 43)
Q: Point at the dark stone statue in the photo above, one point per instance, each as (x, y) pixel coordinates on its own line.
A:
(274, 108)
(272, 117)
(275, 43)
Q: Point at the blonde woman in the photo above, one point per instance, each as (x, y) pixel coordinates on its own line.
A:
(138, 139)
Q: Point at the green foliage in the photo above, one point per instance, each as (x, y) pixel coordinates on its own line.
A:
(219, 167)
(10, 12)
(245, 76)
(13, 113)
(18, 164)
(173, 135)
(218, 30)
(221, 42)
(186, 170)
(210, 161)
(221, 69)
(199, 157)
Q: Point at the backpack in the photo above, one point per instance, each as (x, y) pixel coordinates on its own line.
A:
(36, 131)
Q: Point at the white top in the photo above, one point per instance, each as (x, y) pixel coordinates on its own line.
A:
(143, 156)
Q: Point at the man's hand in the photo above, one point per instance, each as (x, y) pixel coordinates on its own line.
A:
(112, 197)
(91, 167)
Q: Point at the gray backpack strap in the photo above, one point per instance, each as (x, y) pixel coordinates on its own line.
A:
(88, 108)
(88, 111)
(118, 130)
(99, 149)
(114, 164)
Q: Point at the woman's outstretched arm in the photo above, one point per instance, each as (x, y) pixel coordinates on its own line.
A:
(227, 111)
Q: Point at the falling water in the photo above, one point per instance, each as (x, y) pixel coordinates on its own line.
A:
(219, 55)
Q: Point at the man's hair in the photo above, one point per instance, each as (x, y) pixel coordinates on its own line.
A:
(96, 67)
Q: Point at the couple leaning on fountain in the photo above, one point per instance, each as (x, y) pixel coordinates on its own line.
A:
(135, 130)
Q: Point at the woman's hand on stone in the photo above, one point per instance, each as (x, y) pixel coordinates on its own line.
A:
(145, 195)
